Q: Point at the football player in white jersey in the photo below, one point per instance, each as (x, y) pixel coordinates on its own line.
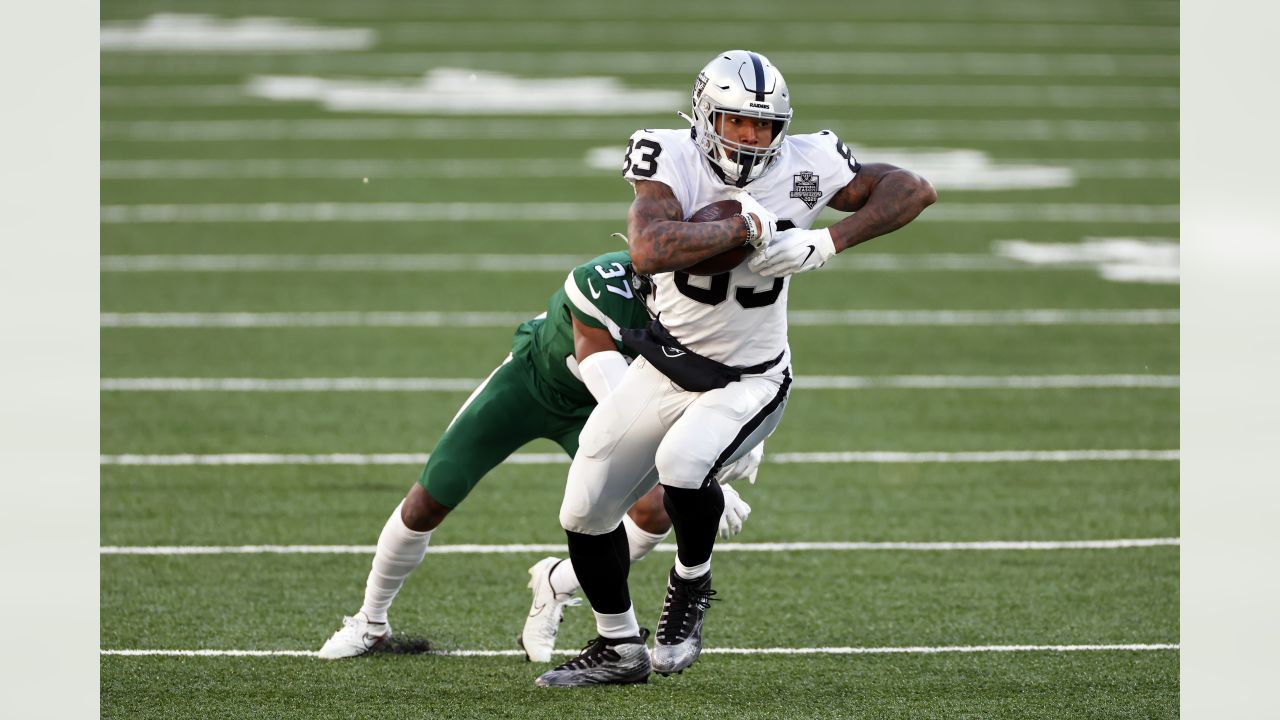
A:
(714, 367)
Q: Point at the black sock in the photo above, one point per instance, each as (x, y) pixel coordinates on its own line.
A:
(602, 563)
(695, 516)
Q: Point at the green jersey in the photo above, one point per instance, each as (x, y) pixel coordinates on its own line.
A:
(601, 293)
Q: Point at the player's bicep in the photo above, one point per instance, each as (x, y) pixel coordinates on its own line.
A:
(655, 202)
(853, 196)
(588, 340)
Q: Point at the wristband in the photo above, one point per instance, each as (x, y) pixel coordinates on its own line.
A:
(753, 231)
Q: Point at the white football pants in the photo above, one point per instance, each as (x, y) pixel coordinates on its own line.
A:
(649, 428)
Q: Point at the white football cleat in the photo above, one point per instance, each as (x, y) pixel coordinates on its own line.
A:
(357, 637)
(539, 636)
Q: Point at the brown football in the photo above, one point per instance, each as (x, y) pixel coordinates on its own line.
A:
(729, 259)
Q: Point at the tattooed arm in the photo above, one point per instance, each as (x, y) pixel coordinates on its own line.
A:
(661, 242)
(884, 197)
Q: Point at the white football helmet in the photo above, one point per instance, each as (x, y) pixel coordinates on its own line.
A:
(740, 82)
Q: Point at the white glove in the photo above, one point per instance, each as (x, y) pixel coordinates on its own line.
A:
(744, 468)
(768, 220)
(736, 511)
(792, 252)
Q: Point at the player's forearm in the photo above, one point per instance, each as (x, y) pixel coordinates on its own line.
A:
(899, 197)
(667, 245)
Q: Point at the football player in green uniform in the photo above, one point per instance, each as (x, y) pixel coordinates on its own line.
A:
(561, 364)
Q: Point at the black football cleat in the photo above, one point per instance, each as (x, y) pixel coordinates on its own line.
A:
(679, 638)
(604, 661)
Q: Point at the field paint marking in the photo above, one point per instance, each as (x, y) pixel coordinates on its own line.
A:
(282, 130)
(1121, 544)
(615, 62)
(818, 382)
(873, 456)
(919, 650)
(583, 212)
(439, 94)
(797, 318)
(442, 262)
(198, 33)
(379, 168)
(1121, 259)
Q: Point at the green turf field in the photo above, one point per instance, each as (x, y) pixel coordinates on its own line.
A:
(1049, 123)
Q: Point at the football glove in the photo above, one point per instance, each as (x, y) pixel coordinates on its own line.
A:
(735, 513)
(792, 252)
(744, 468)
(768, 220)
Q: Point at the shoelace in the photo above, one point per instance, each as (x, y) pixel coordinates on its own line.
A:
(683, 598)
(593, 653)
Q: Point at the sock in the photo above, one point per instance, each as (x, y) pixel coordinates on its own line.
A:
(564, 581)
(692, 573)
(602, 564)
(400, 550)
(695, 515)
(619, 625)
(639, 541)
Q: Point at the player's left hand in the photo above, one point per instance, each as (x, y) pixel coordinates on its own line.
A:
(792, 252)
(735, 513)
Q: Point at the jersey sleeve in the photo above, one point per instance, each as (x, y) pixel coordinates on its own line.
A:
(841, 163)
(657, 156)
(601, 293)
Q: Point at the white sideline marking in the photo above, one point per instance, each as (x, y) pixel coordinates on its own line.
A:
(1122, 259)
(582, 212)
(884, 262)
(798, 318)
(919, 650)
(280, 130)
(815, 382)
(614, 62)
(438, 94)
(664, 547)
(594, 166)
(183, 33)
(875, 456)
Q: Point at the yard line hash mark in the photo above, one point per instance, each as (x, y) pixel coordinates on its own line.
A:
(874, 457)
(919, 650)
(798, 318)
(835, 382)
(463, 549)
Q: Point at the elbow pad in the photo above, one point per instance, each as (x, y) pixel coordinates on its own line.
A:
(601, 372)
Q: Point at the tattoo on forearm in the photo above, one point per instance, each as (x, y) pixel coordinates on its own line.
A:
(670, 244)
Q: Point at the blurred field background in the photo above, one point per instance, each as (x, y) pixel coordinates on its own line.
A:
(321, 222)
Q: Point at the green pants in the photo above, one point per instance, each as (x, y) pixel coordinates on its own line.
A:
(509, 410)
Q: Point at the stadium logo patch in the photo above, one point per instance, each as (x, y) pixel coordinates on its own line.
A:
(805, 187)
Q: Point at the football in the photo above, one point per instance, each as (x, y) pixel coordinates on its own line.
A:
(729, 259)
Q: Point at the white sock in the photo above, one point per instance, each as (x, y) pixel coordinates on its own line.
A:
(639, 541)
(564, 581)
(692, 573)
(622, 625)
(400, 550)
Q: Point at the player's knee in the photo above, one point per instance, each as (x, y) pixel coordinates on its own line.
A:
(682, 464)
(649, 514)
(420, 511)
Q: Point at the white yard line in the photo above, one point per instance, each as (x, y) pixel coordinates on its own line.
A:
(441, 262)
(919, 650)
(855, 131)
(798, 318)
(1121, 544)
(582, 212)
(380, 168)
(870, 456)
(832, 382)
(883, 96)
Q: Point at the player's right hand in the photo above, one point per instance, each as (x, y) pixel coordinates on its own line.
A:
(766, 221)
(735, 512)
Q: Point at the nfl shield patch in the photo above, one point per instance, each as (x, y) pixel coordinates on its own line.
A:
(805, 187)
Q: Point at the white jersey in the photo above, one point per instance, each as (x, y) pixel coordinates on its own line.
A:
(737, 318)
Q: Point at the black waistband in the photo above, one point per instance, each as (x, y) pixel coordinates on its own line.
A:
(662, 333)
